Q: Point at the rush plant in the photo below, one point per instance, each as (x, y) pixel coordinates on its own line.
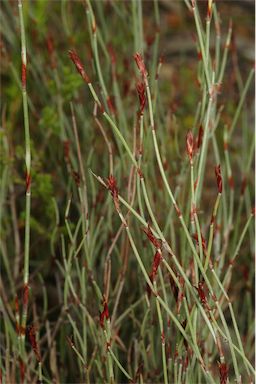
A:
(130, 259)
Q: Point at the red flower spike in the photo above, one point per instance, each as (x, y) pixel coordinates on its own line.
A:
(142, 96)
(156, 263)
(79, 66)
(33, 342)
(190, 145)
(23, 75)
(112, 187)
(25, 295)
(219, 178)
(156, 242)
(104, 314)
(22, 371)
(76, 177)
(200, 137)
(141, 65)
(28, 182)
(202, 296)
(223, 369)
(195, 236)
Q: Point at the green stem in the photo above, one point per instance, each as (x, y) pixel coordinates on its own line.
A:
(28, 171)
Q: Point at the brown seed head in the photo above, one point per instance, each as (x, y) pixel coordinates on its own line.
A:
(142, 95)
(79, 66)
(104, 314)
(140, 64)
(156, 263)
(223, 369)
(156, 242)
(190, 145)
(33, 342)
(219, 178)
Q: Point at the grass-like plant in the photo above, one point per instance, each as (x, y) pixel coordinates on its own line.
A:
(132, 259)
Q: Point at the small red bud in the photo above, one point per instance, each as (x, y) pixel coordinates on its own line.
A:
(23, 75)
(25, 295)
(76, 177)
(79, 66)
(140, 64)
(104, 314)
(200, 137)
(223, 369)
(219, 178)
(22, 371)
(28, 182)
(190, 145)
(202, 296)
(142, 95)
(156, 242)
(33, 342)
(112, 187)
(156, 263)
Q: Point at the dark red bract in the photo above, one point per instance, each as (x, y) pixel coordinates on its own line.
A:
(223, 369)
(79, 66)
(156, 242)
(219, 178)
(104, 314)
(190, 145)
(140, 64)
(142, 95)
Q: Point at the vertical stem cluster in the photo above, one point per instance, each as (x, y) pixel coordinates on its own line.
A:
(28, 174)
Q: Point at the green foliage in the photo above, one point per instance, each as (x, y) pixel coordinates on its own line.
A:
(49, 120)
(70, 83)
